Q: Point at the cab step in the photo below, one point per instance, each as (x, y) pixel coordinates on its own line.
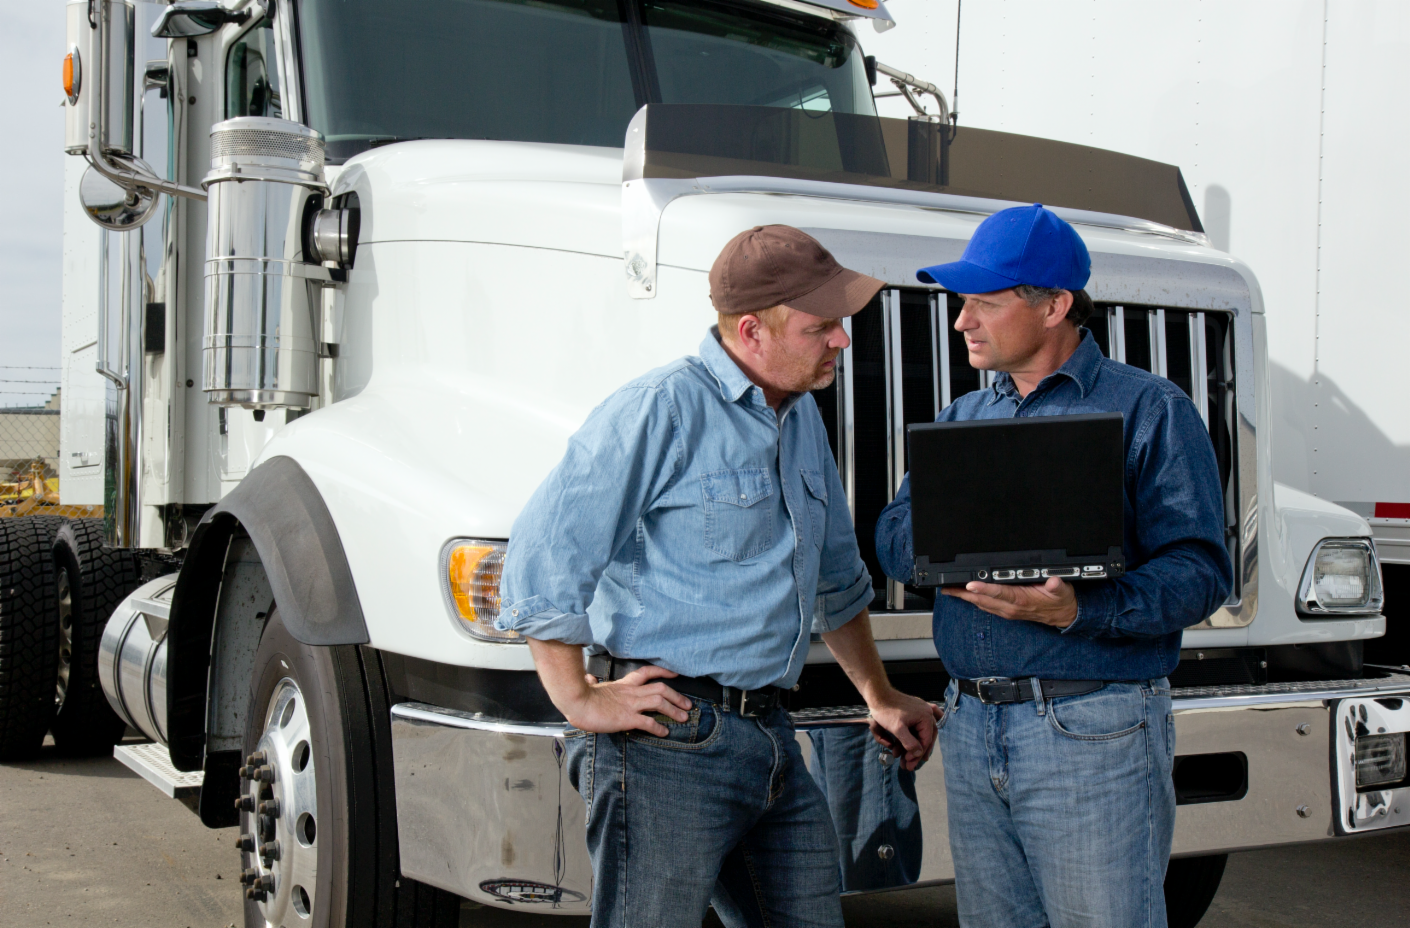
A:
(152, 763)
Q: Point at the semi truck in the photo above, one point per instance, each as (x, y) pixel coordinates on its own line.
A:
(342, 278)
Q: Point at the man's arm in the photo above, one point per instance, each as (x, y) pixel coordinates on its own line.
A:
(893, 535)
(910, 720)
(617, 705)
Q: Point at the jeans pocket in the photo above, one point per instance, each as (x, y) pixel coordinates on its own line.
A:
(739, 515)
(698, 731)
(952, 700)
(1113, 712)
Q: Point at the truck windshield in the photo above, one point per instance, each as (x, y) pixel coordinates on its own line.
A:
(568, 71)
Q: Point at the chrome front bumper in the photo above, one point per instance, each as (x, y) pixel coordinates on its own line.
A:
(485, 810)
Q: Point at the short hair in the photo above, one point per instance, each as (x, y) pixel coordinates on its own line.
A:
(1082, 307)
(773, 318)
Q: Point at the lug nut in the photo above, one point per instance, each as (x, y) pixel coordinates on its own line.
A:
(247, 843)
(247, 877)
(266, 827)
(257, 758)
(269, 807)
(269, 850)
(264, 774)
(245, 804)
(258, 895)
(266, 883)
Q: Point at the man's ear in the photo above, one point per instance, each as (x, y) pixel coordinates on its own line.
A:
(1056, 311)
(748, 334)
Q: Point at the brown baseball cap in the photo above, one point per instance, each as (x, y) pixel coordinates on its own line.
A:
(782, 266)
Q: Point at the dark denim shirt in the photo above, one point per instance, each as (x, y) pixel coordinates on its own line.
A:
(1177, 568)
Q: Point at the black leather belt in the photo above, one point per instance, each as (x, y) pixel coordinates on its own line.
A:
(998, 690)
(748, 703)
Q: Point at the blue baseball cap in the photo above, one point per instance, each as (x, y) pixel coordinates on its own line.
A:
(1022, 245)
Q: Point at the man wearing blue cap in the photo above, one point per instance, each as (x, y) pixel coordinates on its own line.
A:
(1057, 764)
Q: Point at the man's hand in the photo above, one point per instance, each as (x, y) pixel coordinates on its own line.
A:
(617, 705)
(905, 724)
(1053, 603)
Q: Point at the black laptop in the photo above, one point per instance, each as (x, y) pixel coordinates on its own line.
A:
(1017, 500)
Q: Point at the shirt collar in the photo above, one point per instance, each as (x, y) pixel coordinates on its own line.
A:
(733, 383)
(1081, 368)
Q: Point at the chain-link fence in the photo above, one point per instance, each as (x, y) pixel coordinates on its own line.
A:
(29, 459)
(29, 462)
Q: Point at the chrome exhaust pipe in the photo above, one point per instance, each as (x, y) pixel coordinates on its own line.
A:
(132, 657)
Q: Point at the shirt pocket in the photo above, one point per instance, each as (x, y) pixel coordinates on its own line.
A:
(816, 483)
(739, 518)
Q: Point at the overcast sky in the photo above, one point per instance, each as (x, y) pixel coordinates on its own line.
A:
(31, 164)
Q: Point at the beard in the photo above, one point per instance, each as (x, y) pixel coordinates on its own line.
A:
(803, 375)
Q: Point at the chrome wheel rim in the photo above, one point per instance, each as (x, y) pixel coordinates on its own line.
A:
(279, 814)
(65, 638)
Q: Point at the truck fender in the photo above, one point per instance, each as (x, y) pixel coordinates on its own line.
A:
(278, 508)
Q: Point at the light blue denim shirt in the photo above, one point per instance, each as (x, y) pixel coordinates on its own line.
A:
(690, 526)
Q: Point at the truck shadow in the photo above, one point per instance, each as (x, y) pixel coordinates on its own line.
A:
(52, 762)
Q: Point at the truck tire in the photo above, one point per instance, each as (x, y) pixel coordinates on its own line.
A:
(318, 830)
(1190, 885)
(90, 580)
(28, 637)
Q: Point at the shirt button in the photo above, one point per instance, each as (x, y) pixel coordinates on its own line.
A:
(981, 634)
(744, 496)
(516, 612)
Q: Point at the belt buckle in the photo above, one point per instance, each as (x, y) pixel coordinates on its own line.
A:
(997, 690)
(746, 709)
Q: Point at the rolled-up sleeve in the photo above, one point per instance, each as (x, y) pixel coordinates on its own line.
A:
(844, 585)
(625, 455)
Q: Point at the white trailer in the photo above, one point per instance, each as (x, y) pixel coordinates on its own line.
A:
(371, 265)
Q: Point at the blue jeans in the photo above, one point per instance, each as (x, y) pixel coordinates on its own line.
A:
(1061, 811)
(721, 812)
(873, 806)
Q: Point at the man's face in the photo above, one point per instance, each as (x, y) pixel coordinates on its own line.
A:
(802, 354)
(1001, 330)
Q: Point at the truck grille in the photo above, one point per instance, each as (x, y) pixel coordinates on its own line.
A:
(907, 362)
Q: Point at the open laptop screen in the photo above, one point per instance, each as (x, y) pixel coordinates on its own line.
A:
(1021, 498)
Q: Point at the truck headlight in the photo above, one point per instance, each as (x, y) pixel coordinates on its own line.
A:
(471, 571)
(1342, 577)
(1380, 759)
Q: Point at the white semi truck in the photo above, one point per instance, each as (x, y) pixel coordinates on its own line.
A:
(363, 269)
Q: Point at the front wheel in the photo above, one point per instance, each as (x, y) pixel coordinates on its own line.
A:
(318, 841)
(1190, 885)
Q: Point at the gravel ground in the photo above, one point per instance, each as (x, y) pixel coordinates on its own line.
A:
(88, 843)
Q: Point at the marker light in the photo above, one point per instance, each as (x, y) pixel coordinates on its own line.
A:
(73, 74)
(865, 4)
(471, 570)
(1342, 577)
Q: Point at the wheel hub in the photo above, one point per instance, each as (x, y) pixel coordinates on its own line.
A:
(65, 638)
(278, 814)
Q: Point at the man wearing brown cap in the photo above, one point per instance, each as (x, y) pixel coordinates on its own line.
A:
(692, 537)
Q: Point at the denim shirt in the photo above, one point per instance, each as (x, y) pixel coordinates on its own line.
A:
(691, 526)
(1177, 568)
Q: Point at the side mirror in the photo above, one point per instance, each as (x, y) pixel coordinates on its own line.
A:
(187, 18)
(114, 207)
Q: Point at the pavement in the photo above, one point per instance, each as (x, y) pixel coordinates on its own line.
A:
(89, 843)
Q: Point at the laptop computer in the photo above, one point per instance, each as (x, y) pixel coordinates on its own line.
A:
(1017, 500)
